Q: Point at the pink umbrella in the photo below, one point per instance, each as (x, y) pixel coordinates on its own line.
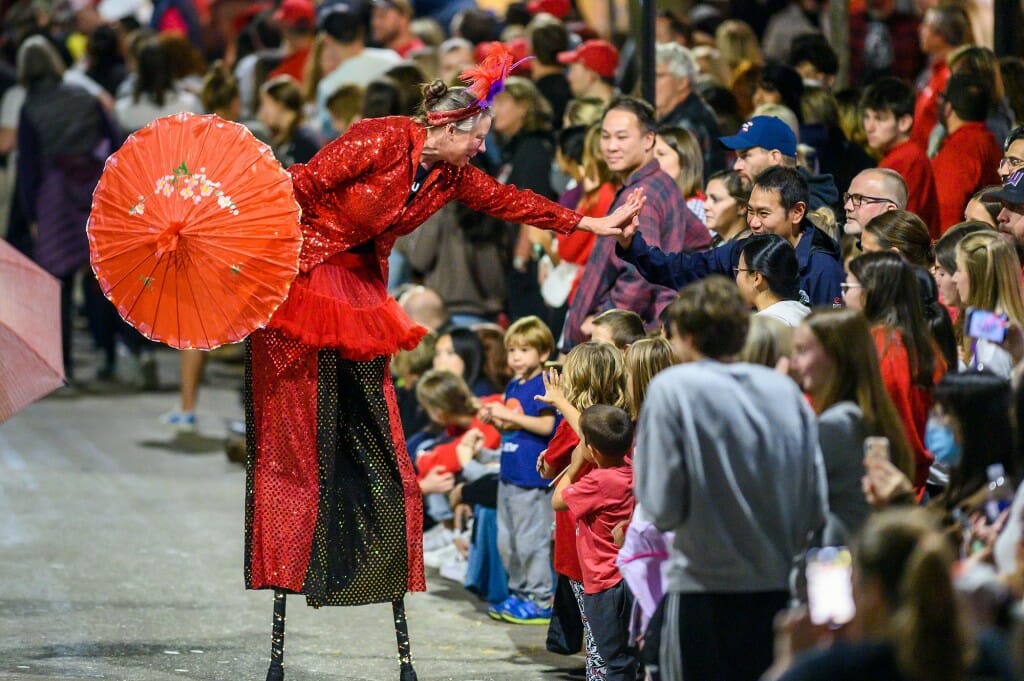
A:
(31, 361)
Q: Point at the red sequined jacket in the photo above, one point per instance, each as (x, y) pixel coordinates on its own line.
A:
(354, 193)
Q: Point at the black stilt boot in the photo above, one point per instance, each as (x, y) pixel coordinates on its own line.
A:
(402, 634)
(276, 671)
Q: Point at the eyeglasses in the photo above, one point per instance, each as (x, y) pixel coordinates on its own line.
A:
(858, 200)
(736, 271)
(1011, 162)
(845, 287)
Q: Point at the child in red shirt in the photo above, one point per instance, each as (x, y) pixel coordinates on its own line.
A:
(601, 500)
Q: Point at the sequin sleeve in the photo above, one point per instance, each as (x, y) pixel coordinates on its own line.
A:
(351, 156)
(483, 193)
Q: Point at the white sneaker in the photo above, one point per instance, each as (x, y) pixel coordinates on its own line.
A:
(455, 570)
(436, 537)
(441, 556)
(184, 421)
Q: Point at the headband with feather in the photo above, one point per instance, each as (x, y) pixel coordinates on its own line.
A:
(486, 80)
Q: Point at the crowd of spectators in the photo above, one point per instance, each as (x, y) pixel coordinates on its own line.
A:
(644, 442)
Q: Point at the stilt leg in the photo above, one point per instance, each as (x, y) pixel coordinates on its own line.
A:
(402, 634)
(276, 671)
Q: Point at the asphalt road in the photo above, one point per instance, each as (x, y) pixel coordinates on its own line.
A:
(121, 558)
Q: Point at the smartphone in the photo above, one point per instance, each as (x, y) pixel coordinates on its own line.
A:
(829, 572)
(986, 325)
(876, 447)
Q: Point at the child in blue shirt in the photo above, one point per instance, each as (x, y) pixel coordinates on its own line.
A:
(525, 515)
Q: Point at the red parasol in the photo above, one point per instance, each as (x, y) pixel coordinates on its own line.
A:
(31, 361)
(194, 231)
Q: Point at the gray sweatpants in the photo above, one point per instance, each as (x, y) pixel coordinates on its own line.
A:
(525, 518)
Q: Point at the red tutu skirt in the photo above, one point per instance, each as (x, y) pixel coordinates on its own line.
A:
(343, 303)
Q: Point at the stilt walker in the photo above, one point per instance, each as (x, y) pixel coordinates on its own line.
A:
(333, 510)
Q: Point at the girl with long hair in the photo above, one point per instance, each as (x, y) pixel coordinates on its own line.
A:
(836, 364)
(593, 373)
(988, 278)
(460, 351)
(725, 206)
(883, 286)
(678, 152)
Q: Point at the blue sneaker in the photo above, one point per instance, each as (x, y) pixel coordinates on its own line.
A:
(527, 611)
(497, 610)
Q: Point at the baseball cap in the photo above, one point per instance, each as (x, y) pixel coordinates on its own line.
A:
(296, 13)
(599, 56)
(558, 8)
(403, 6)
(768, 132)
(1012, 191)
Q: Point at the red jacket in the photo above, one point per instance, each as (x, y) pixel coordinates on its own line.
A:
(444, 454)
(968, 160)
(910, 161)
(912, 402)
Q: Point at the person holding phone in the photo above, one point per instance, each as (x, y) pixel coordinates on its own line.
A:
(835, 363)
(987, 279)
(884, 287)
(906, 624)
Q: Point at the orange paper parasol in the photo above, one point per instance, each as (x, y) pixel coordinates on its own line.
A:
(194, 231)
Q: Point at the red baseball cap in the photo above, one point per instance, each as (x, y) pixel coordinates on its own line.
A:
(599, 56)
(558, 8)
(296, 13)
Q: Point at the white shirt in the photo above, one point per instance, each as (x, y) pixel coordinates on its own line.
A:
(359, 70)
(789, 312)
(131, 115)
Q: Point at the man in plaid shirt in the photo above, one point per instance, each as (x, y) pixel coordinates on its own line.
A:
(627, 143)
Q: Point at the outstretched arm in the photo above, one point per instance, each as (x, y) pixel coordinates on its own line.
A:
(674, 270)
(483, 193)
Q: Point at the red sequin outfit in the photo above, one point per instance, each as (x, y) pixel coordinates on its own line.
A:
(333, 509)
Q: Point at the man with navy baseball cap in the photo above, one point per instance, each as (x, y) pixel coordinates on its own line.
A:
(766, 141)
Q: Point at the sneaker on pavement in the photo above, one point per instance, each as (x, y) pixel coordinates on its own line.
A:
(497, 610)
(455, 570)
(527, 611)
(180, 420)
(438, 557)
(437, 537)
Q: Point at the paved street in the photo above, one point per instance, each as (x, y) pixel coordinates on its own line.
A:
(121, 558)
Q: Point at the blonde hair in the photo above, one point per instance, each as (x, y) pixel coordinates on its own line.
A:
(444, 391)
(768, 341)
(903, 551)
(644, 359)
(595, 373)
(415, 362)
(533, 332)
(584, 111)
(737, 43)
(993, 270)
(593, 164)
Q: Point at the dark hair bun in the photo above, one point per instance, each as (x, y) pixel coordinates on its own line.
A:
(433, 92)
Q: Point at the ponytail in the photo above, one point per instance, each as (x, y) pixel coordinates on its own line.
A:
(930, 641)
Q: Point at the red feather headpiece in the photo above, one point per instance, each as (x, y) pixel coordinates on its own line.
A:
(486, 80)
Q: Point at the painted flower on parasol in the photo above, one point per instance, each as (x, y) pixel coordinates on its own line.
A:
(194, 231)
